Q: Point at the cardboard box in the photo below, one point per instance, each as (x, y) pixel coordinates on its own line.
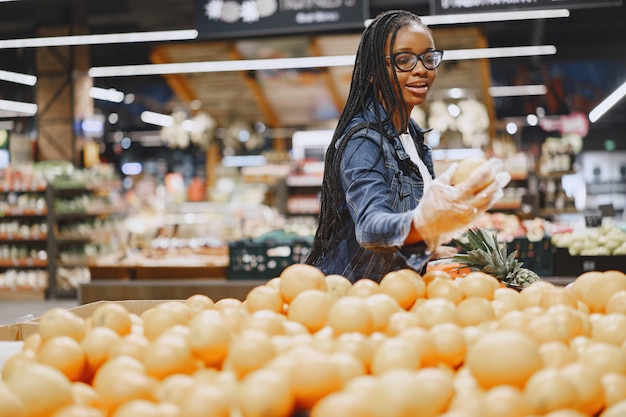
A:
(19, 331)
(573, 266)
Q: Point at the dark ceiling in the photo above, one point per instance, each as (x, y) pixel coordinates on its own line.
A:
(590, 35)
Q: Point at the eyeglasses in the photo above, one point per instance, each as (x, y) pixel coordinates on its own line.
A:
(406, 61)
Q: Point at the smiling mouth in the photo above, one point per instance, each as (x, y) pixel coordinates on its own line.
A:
(418, 85)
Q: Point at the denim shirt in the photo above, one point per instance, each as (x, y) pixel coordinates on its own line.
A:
(380, 194)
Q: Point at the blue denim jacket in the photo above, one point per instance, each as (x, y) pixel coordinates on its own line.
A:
(380, 193)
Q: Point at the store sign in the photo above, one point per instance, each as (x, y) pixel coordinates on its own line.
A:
(439, 7)
(576, 123)
(228, 19)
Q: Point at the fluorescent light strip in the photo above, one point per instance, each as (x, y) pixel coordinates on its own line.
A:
(18, 107)
(157, 119)
(518, 90)
(292, 63)
(16, 77)
(132, 37)
(505, 52)
(110, 94)
(222, 66)
(607, 103)
(494, 16)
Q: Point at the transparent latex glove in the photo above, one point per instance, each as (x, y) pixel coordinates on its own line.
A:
(444, 210)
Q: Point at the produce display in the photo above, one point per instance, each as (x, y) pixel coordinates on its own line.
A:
(308, 344)
(601, 241)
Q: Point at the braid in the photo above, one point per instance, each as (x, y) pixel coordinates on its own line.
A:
(370, 81)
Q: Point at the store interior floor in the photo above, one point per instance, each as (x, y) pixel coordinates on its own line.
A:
(12, 311)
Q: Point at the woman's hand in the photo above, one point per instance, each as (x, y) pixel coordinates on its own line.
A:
(446, 209)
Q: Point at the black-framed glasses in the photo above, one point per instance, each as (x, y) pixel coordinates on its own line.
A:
(406, 61)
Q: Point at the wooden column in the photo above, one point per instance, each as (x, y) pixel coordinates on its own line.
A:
(62, 97)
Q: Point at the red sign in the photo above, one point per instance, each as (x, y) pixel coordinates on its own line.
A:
(575, 123)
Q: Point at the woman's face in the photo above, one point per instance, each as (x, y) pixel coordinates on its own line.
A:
(414, 84)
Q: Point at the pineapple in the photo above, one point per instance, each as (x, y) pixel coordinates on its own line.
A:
(485, 253)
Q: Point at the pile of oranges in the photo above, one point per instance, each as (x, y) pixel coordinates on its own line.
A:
(303, 342)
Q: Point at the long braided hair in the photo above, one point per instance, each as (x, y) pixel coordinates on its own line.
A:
(370, 81)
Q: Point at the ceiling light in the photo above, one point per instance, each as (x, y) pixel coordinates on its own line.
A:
(451, 19)
(157, 119)
(16, 77)
(504, 52)
(131, 37)
(20, 108)
(607, 103)
(518, 90)
(293, 63)
(222, 66)
(110, 94)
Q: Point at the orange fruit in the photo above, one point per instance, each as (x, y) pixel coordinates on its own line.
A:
(350, 314)
(610, 328)
(268, 321)
(395, 353)
(97, 344)
(116, 385)
(40, 388)
(364, 288)
(434, 311)
(504, 401)
(558, 296)
(265, 392)
(548, 390)
(299, 277)
(357, 345)
(78, 410)
(421, 338)
(133, 344)
(503, 357)
(85, 394)
(32, 342)
(449, 343)
(431, 274)
(114, 316)
(556, 354)
(173, 388)
(400, 285)
(313, 376)
(337, 285)
(224, 304)
(340, 404)
(595, 288)
(64, 354)
(466, 168)
(137, 408)
(445, 289)
(588, 386)
(10, 404)
(616, 303)
(264, 297)
(205, 400)
(614, 386)
(478, 284)
(381, 307)
(16, 361)
(163, 316)
(198, 303)
(531, 295)
(400, 321)
(249, 351)
(167, 355)
(349, 366)
(475, 310)
(436, 392)
(603, 357)
(59, 321)
(310, 308)
(547, 328)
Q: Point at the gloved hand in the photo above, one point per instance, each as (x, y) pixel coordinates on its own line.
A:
(444, 209)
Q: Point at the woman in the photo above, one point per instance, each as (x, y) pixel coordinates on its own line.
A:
(381, 209)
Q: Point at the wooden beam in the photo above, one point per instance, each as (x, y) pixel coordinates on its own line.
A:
(177, 83)
(328, 79)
